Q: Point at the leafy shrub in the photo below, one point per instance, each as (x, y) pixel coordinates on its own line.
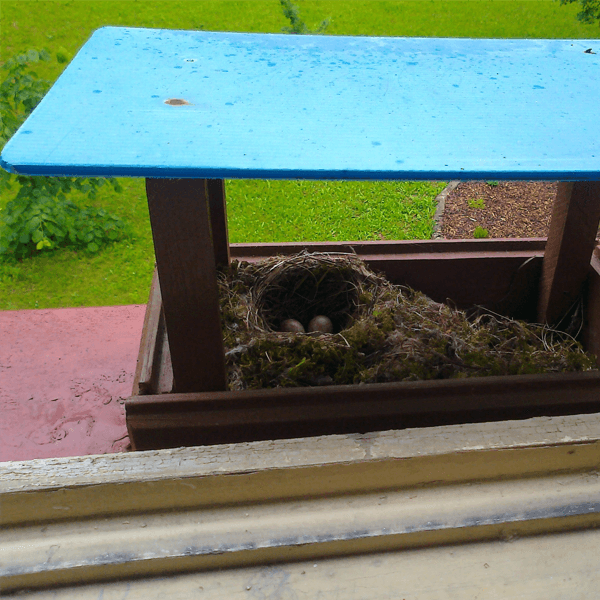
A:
(40, 217)
(590, 10)
(480, 232)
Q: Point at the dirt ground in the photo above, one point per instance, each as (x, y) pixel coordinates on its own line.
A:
(507, 209)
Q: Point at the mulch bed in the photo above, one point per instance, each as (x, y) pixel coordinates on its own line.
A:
(507, 209)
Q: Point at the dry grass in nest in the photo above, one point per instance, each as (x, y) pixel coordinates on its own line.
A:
(382, 332)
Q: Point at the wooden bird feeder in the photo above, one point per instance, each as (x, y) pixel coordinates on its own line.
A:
(186, 110)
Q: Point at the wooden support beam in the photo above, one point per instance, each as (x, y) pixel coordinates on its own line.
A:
(172, 420)
(185, 259)
(218, 220)
(571, 240)
(591, 329)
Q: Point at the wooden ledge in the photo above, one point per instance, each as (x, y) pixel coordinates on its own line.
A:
(86, 519)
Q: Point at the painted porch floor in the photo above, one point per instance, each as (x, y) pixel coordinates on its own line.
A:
(64, 377)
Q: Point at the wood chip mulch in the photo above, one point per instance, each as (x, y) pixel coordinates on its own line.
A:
(507, 209)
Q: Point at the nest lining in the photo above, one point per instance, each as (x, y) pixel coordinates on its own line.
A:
(382, 332)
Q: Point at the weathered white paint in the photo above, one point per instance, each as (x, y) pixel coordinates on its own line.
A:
(170, 511)
(26, 476)
(549, 567)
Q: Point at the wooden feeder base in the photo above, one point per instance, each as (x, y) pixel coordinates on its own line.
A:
(502, 275)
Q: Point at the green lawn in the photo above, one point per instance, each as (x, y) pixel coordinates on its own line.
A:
(258, 210)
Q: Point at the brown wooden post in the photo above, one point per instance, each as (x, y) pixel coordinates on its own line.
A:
(218, 220)
(185, 260)
(571, 240)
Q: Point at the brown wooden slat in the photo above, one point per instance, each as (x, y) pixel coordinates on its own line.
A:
(571, 240)
(464, 281)
(218, 220)
(150, 331)
(210, 418)
(162, 374)
(390, 247)
(591, 329)
(185, 260)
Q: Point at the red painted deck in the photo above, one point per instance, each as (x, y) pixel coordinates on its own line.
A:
(64, 375)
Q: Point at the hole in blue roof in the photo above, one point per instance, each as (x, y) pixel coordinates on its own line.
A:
(539, 87)
(27, 131)
(376, 143)
(97, 91)
(177, 102)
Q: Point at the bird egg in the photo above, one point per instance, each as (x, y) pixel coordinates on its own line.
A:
(292, 325)
(321, 323)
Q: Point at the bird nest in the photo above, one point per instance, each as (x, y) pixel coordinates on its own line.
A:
(380, 332)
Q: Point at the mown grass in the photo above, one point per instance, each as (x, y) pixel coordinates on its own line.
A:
(278, 211)
(258, 210)
(68, 23)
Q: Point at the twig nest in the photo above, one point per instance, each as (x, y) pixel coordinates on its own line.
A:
(377, 331)
(321, 324)
(304, 285)
(292, 326)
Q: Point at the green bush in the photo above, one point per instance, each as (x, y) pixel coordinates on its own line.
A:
(590, 10)
(40, 217)
(298, 26)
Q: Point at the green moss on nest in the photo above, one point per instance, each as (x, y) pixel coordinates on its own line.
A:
(381, 333)
(299, 360)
